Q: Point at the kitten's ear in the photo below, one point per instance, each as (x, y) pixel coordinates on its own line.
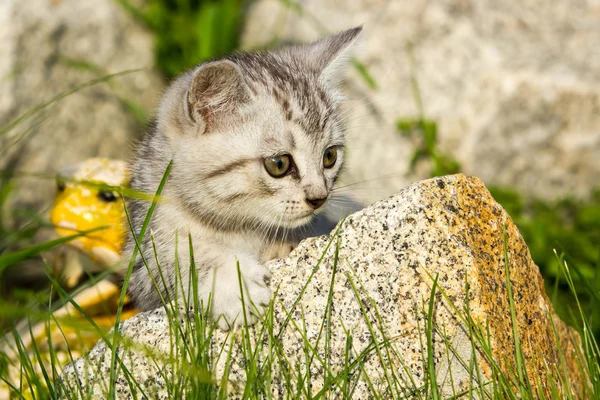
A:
(217, 87)
(330, 55)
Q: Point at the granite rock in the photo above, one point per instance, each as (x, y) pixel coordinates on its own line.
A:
(388, 255)
(514, 86)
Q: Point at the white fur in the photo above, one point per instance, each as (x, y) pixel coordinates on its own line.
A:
(217, 124)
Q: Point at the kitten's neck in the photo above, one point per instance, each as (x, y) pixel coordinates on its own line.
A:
(244, 238)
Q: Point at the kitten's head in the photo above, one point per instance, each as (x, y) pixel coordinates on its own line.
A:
(256, 138)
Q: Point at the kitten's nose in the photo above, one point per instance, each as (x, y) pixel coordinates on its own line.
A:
(316, 203)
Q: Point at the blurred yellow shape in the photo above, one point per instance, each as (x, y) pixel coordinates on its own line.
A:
(87, 198)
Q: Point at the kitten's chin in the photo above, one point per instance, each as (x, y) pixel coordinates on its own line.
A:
(300, 221)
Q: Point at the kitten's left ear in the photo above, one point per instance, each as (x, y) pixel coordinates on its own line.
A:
(330, 55)
(217, 88)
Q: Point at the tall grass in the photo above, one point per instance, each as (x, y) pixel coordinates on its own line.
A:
(190, 367)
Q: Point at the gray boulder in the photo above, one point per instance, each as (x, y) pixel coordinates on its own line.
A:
(49, 47)
(514, 86)
(376, 292)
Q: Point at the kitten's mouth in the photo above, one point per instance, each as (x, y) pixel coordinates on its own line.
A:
(300, 220)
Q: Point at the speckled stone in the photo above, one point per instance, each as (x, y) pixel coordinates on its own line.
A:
(389, 254)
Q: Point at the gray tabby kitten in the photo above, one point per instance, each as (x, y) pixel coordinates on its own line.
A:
(257, 145)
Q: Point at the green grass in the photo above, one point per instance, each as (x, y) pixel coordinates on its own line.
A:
(189, 367)
(192, 357)
(188, 32)
(20, 226)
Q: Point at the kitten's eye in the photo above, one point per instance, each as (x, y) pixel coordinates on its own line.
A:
(277, 166)
(107, 196)
(330, 157)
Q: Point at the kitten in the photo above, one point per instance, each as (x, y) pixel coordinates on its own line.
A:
(257, 144)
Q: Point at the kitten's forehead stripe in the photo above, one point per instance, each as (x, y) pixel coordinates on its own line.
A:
(324, 123)
(289, 114)
(271, 140)
(290, 82)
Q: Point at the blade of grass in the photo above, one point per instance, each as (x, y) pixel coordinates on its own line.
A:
(161, 186)
(431, 370)
(521, 368)
(61, 96)
(14, 257)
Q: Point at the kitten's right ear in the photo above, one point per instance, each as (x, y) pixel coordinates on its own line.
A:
(330, 55)
(217, 88)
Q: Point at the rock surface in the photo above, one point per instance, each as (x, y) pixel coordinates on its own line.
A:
(388, 256)
(50, 46)
(514, 86)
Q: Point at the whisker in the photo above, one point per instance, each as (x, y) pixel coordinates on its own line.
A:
(374, 179)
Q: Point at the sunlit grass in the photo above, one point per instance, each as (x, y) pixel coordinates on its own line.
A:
(190, 366)
(197, 365)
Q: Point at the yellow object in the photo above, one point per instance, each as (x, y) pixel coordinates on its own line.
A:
(86, 200)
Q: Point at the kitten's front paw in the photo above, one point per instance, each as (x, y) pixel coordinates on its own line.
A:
(228, 308)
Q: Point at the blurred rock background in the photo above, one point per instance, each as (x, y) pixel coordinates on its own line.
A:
(50, 47)
(505, 90)
(513, 85)
(47, 49)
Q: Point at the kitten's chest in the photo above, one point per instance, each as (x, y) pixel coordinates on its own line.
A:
(174, 225)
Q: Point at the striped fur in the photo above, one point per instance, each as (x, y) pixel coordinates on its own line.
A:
(218, 123)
